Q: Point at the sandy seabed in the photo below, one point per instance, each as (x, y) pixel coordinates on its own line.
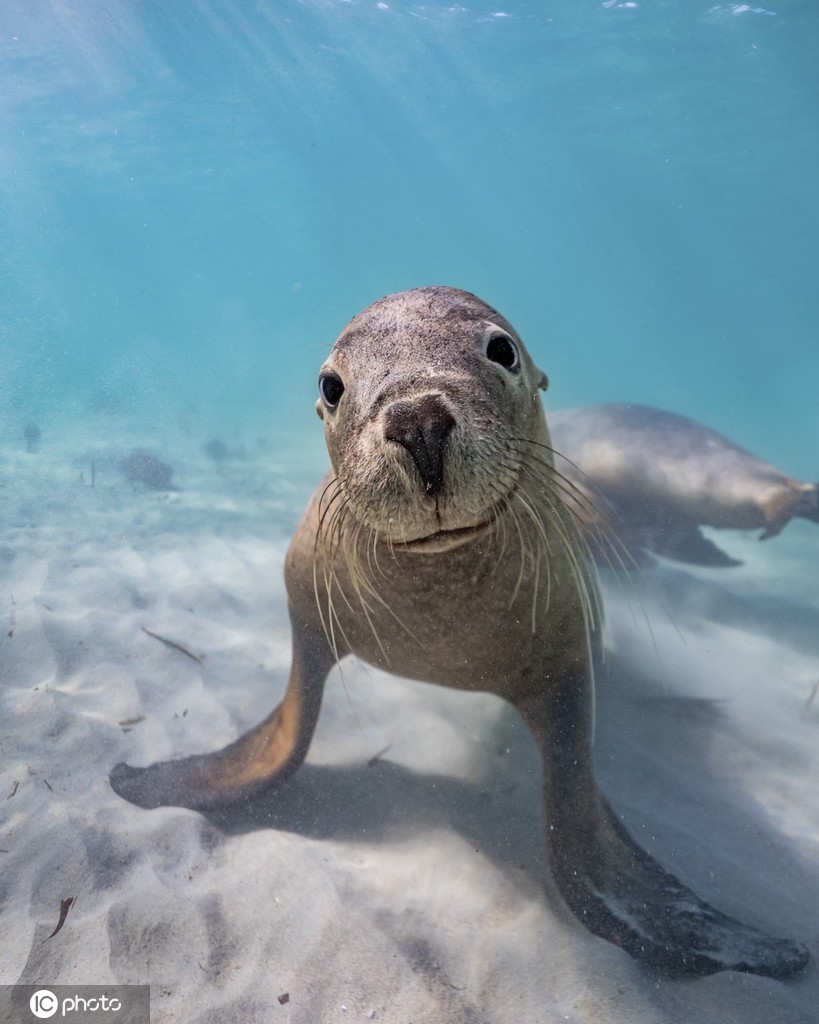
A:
(400, 876)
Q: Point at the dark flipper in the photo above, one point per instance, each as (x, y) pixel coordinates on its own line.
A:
(805, 505)
(681, 540)
(263, 757)
(613, 886)
(662, 923)
(808, 508)
(632, 534)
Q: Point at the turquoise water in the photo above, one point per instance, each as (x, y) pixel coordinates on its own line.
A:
(196, 196)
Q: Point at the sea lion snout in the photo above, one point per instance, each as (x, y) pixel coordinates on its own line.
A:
(422, 425)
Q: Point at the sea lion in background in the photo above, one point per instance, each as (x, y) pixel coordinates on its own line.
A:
(440, 548)
(652, 478)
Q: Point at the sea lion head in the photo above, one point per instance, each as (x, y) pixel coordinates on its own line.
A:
(427, 397)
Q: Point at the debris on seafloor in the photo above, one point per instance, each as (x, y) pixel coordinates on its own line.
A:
(174, 646)
(811, 699)
(217, 450)
(32, 435)
(65, 906)
(220, 452)
(142, 466)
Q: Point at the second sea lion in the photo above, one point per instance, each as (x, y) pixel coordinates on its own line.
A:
(653, 478)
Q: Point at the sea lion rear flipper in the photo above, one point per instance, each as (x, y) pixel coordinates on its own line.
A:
(612, 885)
(808, 505)
(809, 509)
(264, 756)
(662, 923)
(802, 503)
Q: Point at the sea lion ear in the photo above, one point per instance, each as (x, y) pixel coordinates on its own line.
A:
(320, 409)
(543, 383)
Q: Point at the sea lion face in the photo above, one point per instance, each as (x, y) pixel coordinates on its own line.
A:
(428, 398)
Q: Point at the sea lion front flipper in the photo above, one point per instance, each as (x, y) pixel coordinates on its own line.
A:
(266, 755)
(612, 885)
(682, 540)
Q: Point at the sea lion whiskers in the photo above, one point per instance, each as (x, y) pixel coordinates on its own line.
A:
(349, 543)
(365, 583)
(573, 541)
(371, 549)
(327, 624)
(330, 527)
(533, 448)
(372, 557)
(519, 467)
(553, 483)
(570, 539)
(592, 520)
(342, 541)
(536, 588)
(524, 551)
(498, 524)
(588, 518)
(325, 504)
(328, 557)
(543, 544)
(346, 542)
(608, 545)
(575, 498)
(320, 547)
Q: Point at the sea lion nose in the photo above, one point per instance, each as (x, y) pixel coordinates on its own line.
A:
(421, 426)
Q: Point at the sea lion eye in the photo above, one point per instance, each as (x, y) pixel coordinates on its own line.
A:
(331, 389)
(502, 350)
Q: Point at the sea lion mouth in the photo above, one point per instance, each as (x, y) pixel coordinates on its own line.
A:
(443, 540)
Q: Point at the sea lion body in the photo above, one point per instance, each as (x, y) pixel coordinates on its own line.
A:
(654, 478)
(422, 624)
(441, 547)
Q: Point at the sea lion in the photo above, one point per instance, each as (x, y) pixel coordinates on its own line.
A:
(653, 478)
(440, 547)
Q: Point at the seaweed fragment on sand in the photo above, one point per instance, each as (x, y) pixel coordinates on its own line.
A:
(65, 906)
(174, 646)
